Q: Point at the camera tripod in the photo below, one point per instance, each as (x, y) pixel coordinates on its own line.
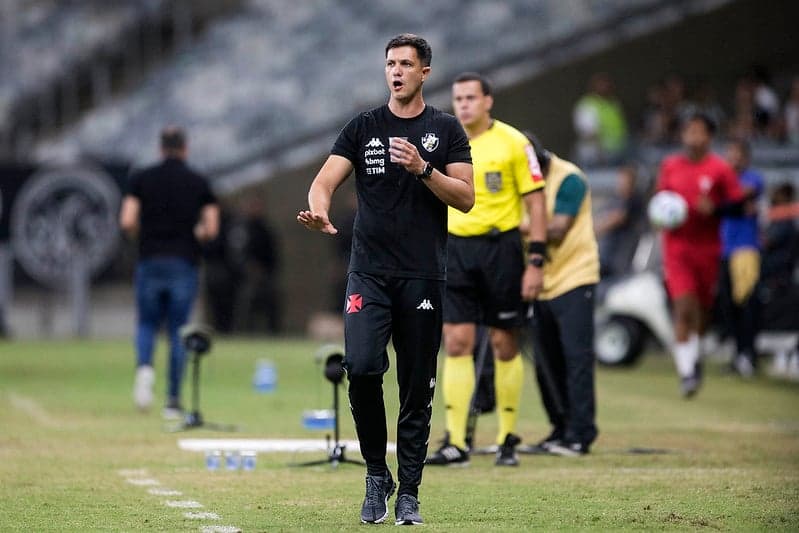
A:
(334, 372)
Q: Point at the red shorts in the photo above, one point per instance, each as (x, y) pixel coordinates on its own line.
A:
(692, 269)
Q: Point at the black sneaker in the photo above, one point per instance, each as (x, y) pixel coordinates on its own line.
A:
(541, 447)
(448, 455)
(568, 449)
(506, 454)
(375, 505)
(406, 509)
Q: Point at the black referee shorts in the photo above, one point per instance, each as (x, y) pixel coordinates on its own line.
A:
(484, 280)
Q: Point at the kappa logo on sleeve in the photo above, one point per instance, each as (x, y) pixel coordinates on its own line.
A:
(354, 303)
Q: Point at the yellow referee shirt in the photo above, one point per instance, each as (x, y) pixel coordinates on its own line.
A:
(505, 169)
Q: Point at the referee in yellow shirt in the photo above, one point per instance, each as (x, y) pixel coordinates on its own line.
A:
(488, 272)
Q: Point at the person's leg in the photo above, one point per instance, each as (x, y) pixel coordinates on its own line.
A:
(461, 313)
(182, 292)
(508, 380)
(417, 337)
(683, 280)
(574, 312)
(367, 328)
(550, 368)
(148, 309)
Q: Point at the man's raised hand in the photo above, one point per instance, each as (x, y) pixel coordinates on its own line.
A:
(316, 221)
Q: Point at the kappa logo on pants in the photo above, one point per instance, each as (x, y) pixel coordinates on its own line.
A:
(354, 303)
(425, 305)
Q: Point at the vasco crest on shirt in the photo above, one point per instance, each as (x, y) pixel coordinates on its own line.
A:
(430, 141)
(493, 181)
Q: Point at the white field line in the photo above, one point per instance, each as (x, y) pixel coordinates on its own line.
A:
(143, 482)
(33, 409)
(165, 492)
(202, 515)
(132, 472)
(140, 480)
(183, 504)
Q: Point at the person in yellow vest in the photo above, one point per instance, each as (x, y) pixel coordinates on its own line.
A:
(562, 317)
(487, 274)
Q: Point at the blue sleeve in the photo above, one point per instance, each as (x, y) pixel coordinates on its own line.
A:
(570, 195)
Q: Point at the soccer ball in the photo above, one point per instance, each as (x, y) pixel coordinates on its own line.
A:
(667, 210)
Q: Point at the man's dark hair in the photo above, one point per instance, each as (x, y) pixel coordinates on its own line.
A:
(173, 138)
(485, 85)
(704, 118)
(423, 50)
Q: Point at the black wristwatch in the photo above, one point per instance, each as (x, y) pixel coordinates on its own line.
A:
(536, 261)
(427, 172)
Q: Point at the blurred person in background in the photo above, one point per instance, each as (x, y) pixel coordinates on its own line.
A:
(778, 290)
(692, 251)
(740, 263)
(562, 318)
(791, 114)
(254, 248)
(171, 209)
(410, 161)
(600, 124)
(618, 227)
(488, 272)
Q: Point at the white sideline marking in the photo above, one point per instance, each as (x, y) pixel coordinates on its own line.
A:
(33, 409)
(165, 492)
(268, 445)
(220, 529)
(203, 515)
(183, 504)
(143, 482)
(133, 472)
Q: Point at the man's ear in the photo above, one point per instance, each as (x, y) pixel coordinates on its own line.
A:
(490, 102)
(425, 71)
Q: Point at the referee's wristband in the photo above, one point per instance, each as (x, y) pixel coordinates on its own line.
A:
(537, 247)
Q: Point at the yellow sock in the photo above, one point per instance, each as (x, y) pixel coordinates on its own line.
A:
(508, 381)
(458, 387)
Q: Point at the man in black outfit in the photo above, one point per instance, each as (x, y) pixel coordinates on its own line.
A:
(411, 161)
(171, 209)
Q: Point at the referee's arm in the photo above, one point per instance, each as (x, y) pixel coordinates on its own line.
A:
(332, 174)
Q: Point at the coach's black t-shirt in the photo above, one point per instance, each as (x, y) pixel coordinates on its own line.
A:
(171, 196)
(401, 226)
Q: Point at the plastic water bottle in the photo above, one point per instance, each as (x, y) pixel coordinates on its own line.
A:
(232, 460)
(248, 460)
(213, 459)
(265, 379)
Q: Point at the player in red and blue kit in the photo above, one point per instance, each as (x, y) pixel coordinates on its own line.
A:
(691, 252)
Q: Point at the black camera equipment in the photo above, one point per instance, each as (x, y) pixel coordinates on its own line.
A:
(334, 373)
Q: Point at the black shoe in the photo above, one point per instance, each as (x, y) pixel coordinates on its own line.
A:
(542, 447)
(448, 455)
(569, 449)
(375, 505)
(406, 509)
(506, 454)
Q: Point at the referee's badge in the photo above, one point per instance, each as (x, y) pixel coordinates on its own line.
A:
(493, 181)
(430, 141)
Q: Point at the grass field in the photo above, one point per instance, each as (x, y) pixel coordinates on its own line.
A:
(67, 427)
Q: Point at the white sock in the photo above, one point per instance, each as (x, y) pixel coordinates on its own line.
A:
(686, 354)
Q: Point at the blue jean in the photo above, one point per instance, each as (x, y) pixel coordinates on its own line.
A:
(166, 288)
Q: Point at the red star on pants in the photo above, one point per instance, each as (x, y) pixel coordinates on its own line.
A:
(354, 303)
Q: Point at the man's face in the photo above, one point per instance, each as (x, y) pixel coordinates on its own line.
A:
(695, 137)
(470, 104)
(404, 73)
(736, 157)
